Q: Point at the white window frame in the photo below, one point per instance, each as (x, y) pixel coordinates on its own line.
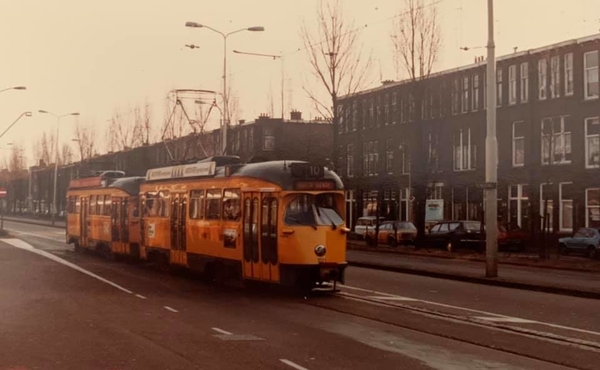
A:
(354, 115)
(514, 140)
(386, 109)
(394, 107)
(465, 94)
(475, 93)
(550, 207)
(555, 77)
(560, 207)
(587, 138)
(433, 155)
(524, 82)
(588, 207)
(542, 79)
(520, 199)
(405, 165)
(270, 138)
(554, 136)
(587, 69)
(512, 84)
(499, 97)
(454, 99)
(350, 160)
(460, 151)
(568, 68)
(389, 156)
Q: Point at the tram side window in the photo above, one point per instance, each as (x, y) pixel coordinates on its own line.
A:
(213, 204)
(100, 205)
(92, 210)
(232, 205)
(164, 198)
(107, 205)
(151, 204)
(77, 205)
(71, 205)
(196, 204)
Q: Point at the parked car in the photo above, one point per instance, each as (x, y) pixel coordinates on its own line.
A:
(585, 240)
(364, 223)
(394, 233)
(455, 234)
(512, 237)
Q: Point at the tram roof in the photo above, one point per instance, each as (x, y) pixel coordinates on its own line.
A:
(130, 185)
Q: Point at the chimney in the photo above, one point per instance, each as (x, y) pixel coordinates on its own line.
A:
(387, 82)
(242, 121)
(295, 115)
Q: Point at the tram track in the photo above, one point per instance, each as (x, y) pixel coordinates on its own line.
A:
(529, 339)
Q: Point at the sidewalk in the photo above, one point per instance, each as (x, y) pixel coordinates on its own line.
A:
(60, 224)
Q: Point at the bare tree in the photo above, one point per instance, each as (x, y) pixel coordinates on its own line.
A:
(66, 154)
(86, 141)
(337, 63)
(416, 39)
(16, 160)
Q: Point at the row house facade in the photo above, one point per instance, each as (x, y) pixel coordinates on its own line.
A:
(548, 133)
(260, 140)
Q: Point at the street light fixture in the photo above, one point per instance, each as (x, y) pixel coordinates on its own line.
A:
(55, 208)
(273, 56)
(15, 88)
(225, 95)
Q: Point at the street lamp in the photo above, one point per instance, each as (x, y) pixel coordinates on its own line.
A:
(280, 57)
(56, 158)
(14, 88)
(225, 95)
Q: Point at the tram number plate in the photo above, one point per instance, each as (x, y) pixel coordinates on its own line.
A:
(307, 170)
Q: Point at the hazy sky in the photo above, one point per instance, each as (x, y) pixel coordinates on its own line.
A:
(93, 57)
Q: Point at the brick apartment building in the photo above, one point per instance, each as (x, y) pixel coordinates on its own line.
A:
(548, 133)
(259, 140)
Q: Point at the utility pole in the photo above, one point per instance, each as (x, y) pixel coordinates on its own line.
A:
(491, 156)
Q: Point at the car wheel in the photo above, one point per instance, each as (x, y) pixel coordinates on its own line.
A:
(392, 242)
(450, 246)
(592, 253)
(563, 249)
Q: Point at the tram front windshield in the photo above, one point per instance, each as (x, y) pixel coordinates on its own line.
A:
(313, 210)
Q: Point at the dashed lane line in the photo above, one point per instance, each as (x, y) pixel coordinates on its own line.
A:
(17, 243)
(291, 364)
(221, 331)
(170, 309)
(140, 296)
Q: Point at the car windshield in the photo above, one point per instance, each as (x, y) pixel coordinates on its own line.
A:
(472, 225)
(309, 209)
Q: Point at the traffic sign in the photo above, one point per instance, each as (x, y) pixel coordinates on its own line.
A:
(3, 192)
(486, 185)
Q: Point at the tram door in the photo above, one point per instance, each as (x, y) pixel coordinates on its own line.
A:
(83, 221)
(178, 230)
(260, 237)
(114, 219)
(124, 220)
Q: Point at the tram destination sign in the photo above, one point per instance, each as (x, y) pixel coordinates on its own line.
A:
(307, 170)
(314, 185)
(188, 170)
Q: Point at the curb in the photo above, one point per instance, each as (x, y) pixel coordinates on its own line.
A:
(471, 259)
(480, 280)
(31, 222)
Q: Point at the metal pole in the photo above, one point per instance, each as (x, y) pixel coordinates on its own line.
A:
(491, 152)
(282, 89)
(55, 210)
(225, 103)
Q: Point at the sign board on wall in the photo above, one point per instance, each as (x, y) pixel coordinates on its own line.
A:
(434, 210)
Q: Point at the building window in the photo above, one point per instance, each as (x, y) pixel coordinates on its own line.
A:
(389, 156)
(542, 79)
(251, 139)
(512, 84)
(464, 151)
(404, 158)
(431, 106)
(411, 107)
(441, 100)
(379, 113)
(555, 77)
(386, 110)
(475, 93)
(370, 158)
(465, 95)
(394, 108)
(354, 115)
(454, 97)
(556, 141)
(590, 66)
(365, 114)
(566, 206)
(592, 142)
(568, 65)
(592, 208)
(268, 138)
(403, 114)
(340, 118)
(371, 112)
(518, 199)
(350, 160)
(433, 155)
(518, 144)
(499, 87)
(404, 205)
(435, 191)
(524, 82)
(546, 207)
(424, 107)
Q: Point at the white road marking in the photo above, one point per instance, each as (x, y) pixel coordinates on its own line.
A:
(170, 309)
(140, 296)
(386, 298)
(505, 319)
(25, 246)
(40, 236)
(221, 331)
(487, 314)
(290, 363)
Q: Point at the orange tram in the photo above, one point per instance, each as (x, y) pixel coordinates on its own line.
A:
(278, 222)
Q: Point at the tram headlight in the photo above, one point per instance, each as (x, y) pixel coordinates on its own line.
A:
(320, 250)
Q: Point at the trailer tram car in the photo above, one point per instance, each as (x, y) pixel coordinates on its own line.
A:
(103, 214)
(277, 222)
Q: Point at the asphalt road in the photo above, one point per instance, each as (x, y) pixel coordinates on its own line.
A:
(61, 310)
